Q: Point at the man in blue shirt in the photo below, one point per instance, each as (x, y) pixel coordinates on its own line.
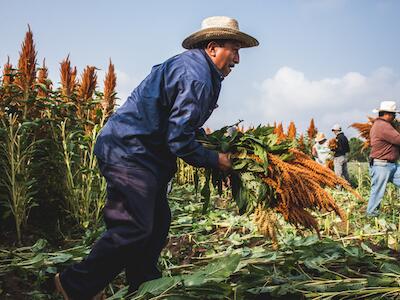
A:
(137, 151)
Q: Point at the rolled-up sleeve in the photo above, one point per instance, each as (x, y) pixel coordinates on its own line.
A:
(185, 118)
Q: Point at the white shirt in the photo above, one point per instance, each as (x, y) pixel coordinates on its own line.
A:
(323, 152)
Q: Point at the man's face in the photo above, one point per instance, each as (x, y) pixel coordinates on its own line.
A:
(389, 116)
(225, 57)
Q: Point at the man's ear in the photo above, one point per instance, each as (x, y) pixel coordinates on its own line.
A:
(212, 48)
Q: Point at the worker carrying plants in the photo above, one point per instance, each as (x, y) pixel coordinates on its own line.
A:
(137, 151)
(385, 142)
(340, 151)
(320, 150)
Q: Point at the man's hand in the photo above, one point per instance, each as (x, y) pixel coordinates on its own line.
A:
(224, 162)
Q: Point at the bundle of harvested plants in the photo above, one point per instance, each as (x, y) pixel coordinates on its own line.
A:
(273, 175)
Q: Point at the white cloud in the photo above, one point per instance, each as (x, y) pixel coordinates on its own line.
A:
(290, 95)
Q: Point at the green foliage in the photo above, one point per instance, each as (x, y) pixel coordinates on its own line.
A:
(61, 173)
(17, 150)
(220, 255)
(86, 188)
(304, 266)
(200, 283)
(247, 188)
(356, 152)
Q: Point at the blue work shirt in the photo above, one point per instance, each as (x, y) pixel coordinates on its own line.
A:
(159, 120)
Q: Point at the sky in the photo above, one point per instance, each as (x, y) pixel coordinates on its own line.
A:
(331, 60)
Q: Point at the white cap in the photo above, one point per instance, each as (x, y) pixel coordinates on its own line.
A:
(336, 127)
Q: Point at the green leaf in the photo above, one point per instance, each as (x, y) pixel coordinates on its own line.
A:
(381, 281)
(390, 268)
(255, 168)
(237, 192)
(39, 245)
(210, 290)
(225, 147)
(240, 164)
(157, 286)
(35, 262)
(51, 270)
(216, 271)
(61, 258)
(119, 295)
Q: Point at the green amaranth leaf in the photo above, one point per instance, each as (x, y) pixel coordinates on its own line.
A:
(216, 271)
(157, 286)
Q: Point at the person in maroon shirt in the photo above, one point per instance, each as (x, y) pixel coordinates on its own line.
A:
(385, 142)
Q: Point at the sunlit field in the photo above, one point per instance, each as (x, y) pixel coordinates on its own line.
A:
(280, 226)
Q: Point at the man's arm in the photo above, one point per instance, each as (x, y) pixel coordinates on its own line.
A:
(314, 151)
(390, 135)
(184, 120)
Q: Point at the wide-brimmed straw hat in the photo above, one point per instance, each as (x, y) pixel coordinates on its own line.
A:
(320, 137)
(389, 106)
(219, 28)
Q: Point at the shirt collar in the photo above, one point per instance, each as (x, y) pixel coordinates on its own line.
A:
(214, 70)
(384, 120)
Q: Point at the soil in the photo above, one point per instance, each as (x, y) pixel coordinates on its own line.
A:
(17, 286)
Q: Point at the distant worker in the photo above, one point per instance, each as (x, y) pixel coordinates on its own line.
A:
(320, 151)
(385, 142)
(339, 156)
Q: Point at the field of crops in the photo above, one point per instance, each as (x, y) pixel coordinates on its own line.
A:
(279, 227)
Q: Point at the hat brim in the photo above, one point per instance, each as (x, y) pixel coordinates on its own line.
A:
(209, 34)
(377, 110)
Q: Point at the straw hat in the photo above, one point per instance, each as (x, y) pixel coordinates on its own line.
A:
(389, 106)
(219, 28)
(320, 137)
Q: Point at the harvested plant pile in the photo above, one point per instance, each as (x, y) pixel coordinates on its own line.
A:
(306, 268)
(332, 144)
(271, 174)
(364, 129)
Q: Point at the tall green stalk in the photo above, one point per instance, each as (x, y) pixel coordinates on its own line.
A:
(17, 152)
(86, 188)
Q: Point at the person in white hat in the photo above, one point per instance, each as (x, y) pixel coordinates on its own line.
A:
(385, 142)
(137, 151)
(340, 152)
(320, 150)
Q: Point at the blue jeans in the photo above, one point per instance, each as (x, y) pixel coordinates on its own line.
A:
(381, 173)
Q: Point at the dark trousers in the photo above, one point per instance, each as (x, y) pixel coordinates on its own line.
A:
(137, 217)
